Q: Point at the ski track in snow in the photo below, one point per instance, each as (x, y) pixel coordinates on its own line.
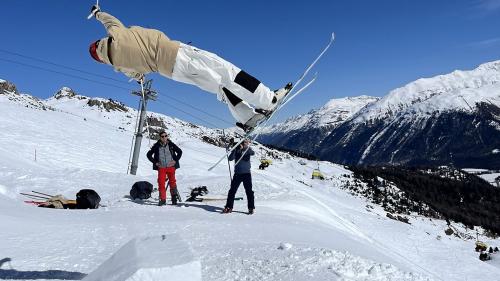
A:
(303, 229)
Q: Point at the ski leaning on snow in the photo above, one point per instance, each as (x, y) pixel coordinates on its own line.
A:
(291, 95)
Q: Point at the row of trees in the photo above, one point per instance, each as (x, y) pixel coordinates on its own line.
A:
(292, 152)
(467, 198)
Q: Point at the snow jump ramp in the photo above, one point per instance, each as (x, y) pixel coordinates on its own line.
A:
(165, 257)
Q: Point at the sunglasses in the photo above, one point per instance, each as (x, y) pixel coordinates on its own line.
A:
(164, 136)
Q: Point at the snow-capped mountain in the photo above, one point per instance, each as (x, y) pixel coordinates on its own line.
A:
(305, 132)
(331, 114)
(8, 91)
(447, 119)
(459, 91)
(303, 229)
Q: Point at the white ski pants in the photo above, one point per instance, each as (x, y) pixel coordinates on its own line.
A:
(216, 75)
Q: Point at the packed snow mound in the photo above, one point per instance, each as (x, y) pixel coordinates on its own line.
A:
(289, 262)
(165, 257)
(457, 91)
(332, 113)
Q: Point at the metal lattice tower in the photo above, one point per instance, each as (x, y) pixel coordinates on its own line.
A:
(148, 94)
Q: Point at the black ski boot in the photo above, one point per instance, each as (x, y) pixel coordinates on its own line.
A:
(280, 94)
(264, 112)
(162, 202)
(244, 127)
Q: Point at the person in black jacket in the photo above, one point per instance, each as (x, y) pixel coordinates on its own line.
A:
(241, 174)
(165, 156)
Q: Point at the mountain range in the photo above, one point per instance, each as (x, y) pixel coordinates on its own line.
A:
(451, 119)
(352, 225)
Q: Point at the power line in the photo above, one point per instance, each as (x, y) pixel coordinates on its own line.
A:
(185, 112)
(103, 83)
(62, 66)
(198, 109)
(97, 75)
(65, 74)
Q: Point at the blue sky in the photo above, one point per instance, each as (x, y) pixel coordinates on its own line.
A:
(380, 45)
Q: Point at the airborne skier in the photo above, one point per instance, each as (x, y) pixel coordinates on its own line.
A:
(137, 51)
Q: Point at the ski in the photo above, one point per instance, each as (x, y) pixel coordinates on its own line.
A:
(34, 202)
(283, 102)
(202, 199)
(258, 128)
(262, 124)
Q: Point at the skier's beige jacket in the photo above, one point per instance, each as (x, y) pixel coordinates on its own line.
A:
(135, 50)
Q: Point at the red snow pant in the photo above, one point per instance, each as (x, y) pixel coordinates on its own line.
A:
(163, 174)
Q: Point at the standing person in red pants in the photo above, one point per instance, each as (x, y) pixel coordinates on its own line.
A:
(165, 156)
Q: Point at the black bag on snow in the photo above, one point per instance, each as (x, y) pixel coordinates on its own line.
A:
(197, 191)
(141, 190)
(87, 199)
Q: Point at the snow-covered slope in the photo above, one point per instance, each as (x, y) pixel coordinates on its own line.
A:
(302, 229)
(117, 114)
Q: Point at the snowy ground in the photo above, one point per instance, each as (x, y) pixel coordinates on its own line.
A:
(487, 175)
(303, 229)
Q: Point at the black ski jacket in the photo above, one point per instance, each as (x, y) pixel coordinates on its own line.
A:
(243, 167)
(154, 155)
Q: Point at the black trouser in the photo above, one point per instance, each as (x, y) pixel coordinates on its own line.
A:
(247, 184)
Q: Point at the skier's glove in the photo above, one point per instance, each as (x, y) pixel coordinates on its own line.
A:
(93, 11)
(140, 80)
(138, 77)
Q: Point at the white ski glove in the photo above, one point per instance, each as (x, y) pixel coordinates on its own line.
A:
(93, 11)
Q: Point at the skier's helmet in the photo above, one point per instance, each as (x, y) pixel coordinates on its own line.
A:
(93, 51)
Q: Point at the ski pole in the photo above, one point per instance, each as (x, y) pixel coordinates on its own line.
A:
(228, 163)
(90, 16)
(42, 193)
(34, 196)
